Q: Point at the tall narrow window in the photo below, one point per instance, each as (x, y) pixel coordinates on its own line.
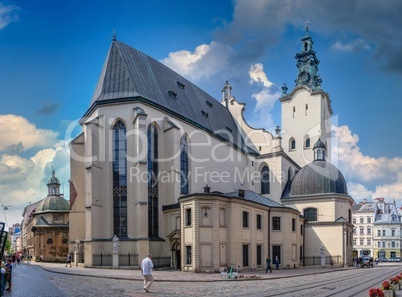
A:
(188, 216)
(306, 110)
(188, 255)
(307, 143)
(294, 111)
(245, 219)
(259, 254)
(293, 144)
(119, 179)
(265, 186)
(245, 255)
(153, 221)
(259, 222)
(183, 165)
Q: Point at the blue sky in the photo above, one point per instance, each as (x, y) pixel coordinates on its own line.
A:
(52, 53)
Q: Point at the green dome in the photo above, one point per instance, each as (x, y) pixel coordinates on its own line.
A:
(319, 144)
(53, 180)
(53, 204)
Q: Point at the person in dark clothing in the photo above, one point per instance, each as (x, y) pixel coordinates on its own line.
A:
(268, 260)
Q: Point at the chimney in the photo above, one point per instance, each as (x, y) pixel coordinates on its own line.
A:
(241, 193)
(207, 189)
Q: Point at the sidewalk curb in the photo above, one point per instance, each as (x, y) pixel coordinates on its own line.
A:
(244, 278)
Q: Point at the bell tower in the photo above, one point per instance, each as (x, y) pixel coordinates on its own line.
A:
(307, 63)
(306, 110)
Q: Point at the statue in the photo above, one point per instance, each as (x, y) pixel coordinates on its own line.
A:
(77, 244)
(115, 243)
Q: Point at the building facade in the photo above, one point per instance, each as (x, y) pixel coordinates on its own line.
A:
(45, 227)
(363, 222)
(173, 172)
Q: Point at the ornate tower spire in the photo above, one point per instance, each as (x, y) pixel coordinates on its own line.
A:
(307, 63)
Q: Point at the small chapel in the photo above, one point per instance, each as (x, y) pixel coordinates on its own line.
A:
(173, 172)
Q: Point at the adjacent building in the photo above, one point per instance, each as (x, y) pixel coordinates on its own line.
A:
(377, 229)
(173, 172)
(45, 227)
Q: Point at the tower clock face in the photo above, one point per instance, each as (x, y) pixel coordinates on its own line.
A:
(304, 77)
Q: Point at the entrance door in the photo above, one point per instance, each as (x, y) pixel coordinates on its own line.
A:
(178, 259)
(276, 251)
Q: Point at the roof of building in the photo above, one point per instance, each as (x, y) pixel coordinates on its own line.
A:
(53, 180)
(53, 204)
(257, 198)
(130, 75)
(317, 178)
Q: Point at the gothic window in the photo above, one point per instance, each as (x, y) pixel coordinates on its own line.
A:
(183, 165)
(292, 144)
(265, 186)
(153, 220)
(310, 214)
(307, 142)
(119, 151)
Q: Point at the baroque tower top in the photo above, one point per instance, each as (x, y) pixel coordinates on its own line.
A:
(307, 64)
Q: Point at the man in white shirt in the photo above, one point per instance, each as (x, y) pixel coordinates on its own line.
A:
(146, 270)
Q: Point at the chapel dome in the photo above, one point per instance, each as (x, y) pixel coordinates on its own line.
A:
(53, 204)
(317, 178)
(53, 180)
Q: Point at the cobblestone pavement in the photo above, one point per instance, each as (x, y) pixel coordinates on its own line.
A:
(55, 280)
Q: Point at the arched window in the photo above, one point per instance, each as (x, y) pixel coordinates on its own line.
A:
(310, 214)
(119, 180)
(265, 180)
(292, 144)
(153, 221)
(307, 142)
(183, 165)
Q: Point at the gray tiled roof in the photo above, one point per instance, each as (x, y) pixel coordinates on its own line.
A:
(318, 177)
(130, 75)
(254, 197)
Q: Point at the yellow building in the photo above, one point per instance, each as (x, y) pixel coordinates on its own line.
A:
(152, 141)
(46, 225)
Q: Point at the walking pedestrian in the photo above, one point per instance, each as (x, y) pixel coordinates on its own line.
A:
(268, 260)
(41, 259)
(68, 260)
(9, 273)
(276, 263)
(146, 270)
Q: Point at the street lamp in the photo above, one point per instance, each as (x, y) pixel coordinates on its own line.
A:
(5, 207)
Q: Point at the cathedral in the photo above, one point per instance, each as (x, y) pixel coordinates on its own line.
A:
(173, 172)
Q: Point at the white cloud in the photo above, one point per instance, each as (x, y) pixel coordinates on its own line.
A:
(266, 98)
(7, 14)
(356, 46)
(18, 134)
(367, 177)
(23, 178)
(204, 62)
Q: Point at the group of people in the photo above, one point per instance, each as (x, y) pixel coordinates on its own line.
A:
(268, 261)
(7, 270)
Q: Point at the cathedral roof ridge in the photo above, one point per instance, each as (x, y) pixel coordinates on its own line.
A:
(131, 75)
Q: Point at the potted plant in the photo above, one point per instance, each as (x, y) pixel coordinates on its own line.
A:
(375, 292)
(395, 283)
(387, 289)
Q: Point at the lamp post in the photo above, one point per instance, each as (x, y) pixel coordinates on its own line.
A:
(5, 207)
